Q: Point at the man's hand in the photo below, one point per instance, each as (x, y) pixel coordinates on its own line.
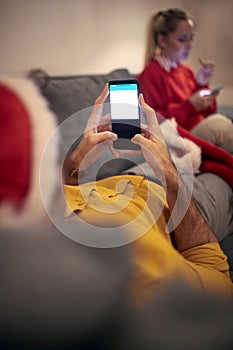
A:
(96, 135)
(152, 143)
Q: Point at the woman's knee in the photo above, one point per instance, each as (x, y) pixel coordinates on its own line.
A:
(217, 129)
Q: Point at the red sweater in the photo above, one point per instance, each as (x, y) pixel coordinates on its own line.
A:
(168, 93)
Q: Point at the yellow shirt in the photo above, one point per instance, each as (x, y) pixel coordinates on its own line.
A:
(139, 207)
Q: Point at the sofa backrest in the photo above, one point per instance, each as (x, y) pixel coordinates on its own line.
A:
(69, 94)
(71, 98)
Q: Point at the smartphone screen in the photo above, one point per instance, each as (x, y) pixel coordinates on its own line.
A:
(125, 112)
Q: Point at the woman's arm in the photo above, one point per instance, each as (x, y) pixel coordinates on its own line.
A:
(175, 95)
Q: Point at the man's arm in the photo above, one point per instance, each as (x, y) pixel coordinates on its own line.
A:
(192, 229)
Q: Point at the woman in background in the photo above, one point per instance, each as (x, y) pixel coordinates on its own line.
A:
(170, 86)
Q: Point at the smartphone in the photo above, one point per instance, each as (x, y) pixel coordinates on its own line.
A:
(125, 112)
(216, 89)
(207, 92)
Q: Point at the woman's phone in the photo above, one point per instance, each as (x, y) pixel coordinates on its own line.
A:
(207, 92)
(216, 89)
(125, 112)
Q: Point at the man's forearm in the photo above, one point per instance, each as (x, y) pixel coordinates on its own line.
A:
(71, 169)
(192, 229)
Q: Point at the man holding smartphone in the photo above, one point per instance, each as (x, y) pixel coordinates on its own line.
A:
(48, 279)
(191, 252)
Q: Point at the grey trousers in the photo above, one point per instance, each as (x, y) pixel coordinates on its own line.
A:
(216, 129)
(214, 198)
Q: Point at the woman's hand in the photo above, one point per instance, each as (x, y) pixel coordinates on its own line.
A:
(200, 102)
(96, 135)
(205, 73)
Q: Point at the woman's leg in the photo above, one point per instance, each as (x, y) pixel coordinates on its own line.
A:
(216, 129)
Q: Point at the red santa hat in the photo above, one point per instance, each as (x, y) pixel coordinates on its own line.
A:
(26, 126)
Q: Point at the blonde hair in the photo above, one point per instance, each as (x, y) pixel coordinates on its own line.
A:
(162, 22)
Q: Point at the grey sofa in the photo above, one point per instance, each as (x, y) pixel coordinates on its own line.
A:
(71, 98)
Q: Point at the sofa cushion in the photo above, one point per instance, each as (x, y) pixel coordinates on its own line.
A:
(70, 94)
(71, 98)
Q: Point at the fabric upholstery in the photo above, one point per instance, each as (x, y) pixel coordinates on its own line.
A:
(71, 98)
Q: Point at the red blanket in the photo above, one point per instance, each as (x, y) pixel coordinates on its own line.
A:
(214, 159)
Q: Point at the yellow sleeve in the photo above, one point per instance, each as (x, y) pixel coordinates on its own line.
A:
(210, 265)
